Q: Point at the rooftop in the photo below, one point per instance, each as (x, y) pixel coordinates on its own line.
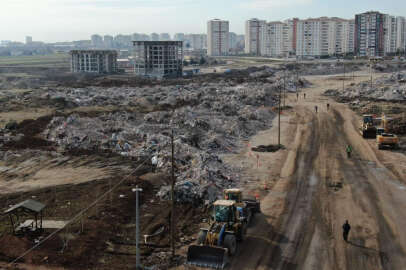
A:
(29, 204)
(224, 202)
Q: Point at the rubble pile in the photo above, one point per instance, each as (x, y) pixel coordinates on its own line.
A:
(389, 88)
(207, 121)
(323, 68)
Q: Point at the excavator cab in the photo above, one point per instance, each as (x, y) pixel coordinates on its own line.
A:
(368, 128)
(216, 243)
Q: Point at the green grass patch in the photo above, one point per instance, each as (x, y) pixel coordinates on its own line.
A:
(50, 59)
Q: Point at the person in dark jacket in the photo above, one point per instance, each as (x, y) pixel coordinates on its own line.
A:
(346, 230)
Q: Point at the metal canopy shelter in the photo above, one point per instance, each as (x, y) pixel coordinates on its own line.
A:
(28, 206)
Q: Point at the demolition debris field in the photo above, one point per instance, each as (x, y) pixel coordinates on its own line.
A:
(66, 140)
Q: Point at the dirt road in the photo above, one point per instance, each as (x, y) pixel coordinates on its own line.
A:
(319, 188)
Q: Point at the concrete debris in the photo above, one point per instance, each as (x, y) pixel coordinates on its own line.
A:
(207, 120)
(389, 88)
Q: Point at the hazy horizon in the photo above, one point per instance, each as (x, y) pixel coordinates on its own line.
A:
(67, 20)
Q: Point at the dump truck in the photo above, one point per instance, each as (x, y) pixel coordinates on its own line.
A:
(368, 128)
(219, 241)
(387, 140)
(247, 206)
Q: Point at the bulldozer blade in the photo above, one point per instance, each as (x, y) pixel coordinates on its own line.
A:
(207, 256)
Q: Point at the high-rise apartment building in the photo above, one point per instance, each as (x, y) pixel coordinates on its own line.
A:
(369, 34)
(154, 37)
(254, 29)
(196, 41)
(401, 34)
(179, 37)
(28, 40)
(232, 40)
(277, 39)
(217, 37)
(108, 41)
(390, 34)
(324, 36)
(97, 41)
(164, 37)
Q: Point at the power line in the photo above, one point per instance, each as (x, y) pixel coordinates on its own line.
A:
(79, 214)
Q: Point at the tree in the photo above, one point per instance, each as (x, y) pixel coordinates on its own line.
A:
(202, 61)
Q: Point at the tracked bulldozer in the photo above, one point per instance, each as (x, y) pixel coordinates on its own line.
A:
(219, 241)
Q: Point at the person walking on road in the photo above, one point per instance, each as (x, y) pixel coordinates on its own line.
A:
(304, 95)
(349, 150)
(346, 230)
(297, 96)
(328, 106)
(315, 108)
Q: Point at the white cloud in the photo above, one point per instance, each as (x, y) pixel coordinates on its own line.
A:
(263, 4)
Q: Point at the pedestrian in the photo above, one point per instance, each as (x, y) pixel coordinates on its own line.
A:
(346, 230)
(349, 150)
(304, 95)
(297, 96)
(315, 108)
(328, 106)
(154, 162)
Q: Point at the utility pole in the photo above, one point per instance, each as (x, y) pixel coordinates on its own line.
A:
(344, 75)
(279, 117)
(370, 70)
(137, 227)
(173, 201)
(284, 87)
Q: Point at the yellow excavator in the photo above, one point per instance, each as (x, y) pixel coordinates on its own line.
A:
(219, 241)
(247, 206)
(385, 139)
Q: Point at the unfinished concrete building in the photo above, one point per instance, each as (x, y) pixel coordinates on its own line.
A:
(158, 59)
(94, 61)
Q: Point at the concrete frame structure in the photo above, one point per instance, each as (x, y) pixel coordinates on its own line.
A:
(158, 59)
(94, 61)
(254, 29)
(217, 37)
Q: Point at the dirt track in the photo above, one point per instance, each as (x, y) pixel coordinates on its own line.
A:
(302, 215)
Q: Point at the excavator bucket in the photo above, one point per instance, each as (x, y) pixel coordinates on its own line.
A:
(207, 256)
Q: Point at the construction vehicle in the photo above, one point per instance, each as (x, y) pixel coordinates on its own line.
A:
(383, 137)
(217, 243)
(368, 129)
(247, 207)
(387, 140)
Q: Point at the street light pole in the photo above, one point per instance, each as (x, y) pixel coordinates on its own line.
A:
(173, 201)
(137, 227)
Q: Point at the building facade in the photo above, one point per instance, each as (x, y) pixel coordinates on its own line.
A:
(217, 37)
(401, 34)
(254, 29)
(369, 34)
(195, 41)
(276, 39)
(158, 59)
(324, 36)
(94, 61)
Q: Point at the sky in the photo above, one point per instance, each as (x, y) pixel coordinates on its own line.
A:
(67, 20)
